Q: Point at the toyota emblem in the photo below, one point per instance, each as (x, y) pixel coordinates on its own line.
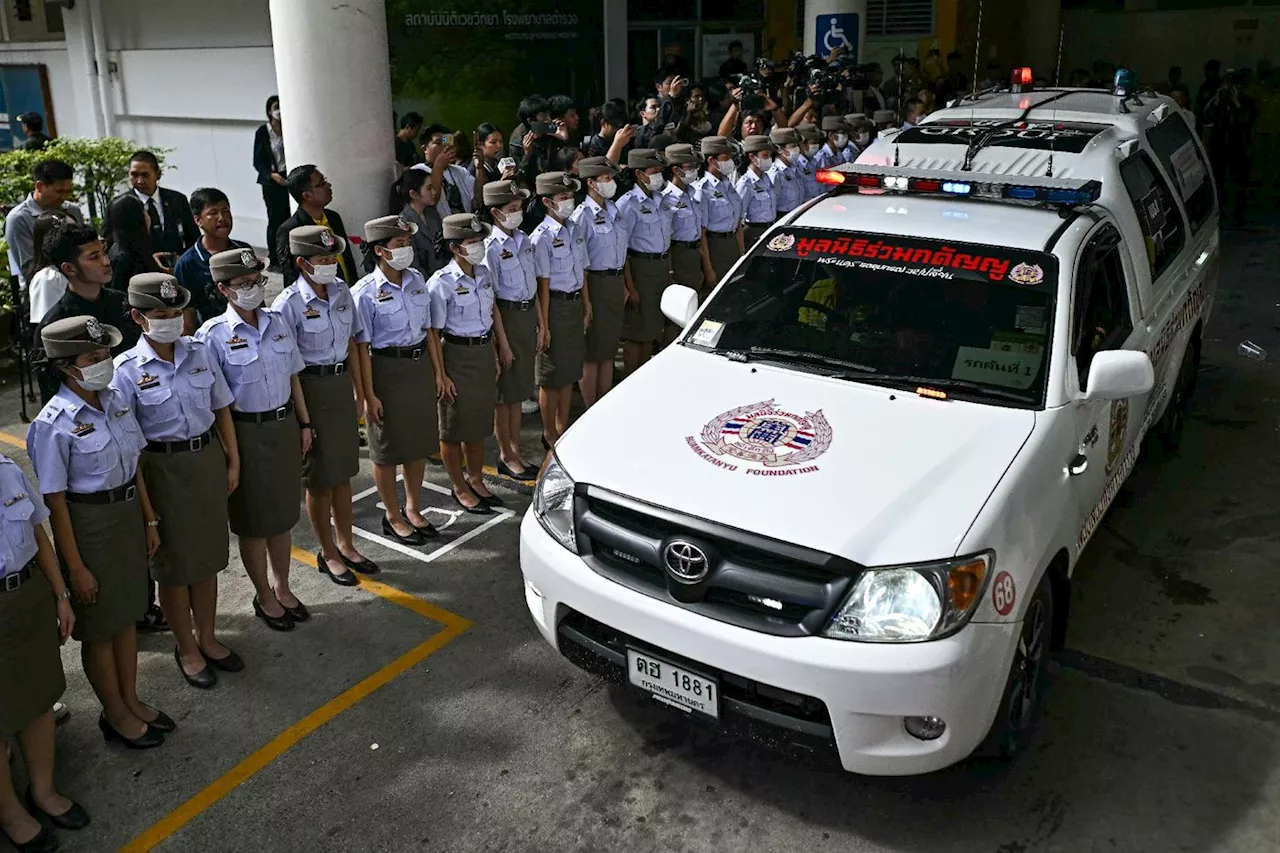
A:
(686, 562)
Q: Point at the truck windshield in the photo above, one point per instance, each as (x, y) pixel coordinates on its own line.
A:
(973, 321)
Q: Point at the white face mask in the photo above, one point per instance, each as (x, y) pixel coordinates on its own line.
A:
(656, 183)
(96, 377)
(164, 331)
(511, 221)
(606, 188)
(842, 139)
(728, 169)
(565, 208)
(793, 151)
(763, 163)
(401, 258)
(250, 297)
(863, 139)
(690, 174)
(275, 114)
(474, 253)
(325, 273)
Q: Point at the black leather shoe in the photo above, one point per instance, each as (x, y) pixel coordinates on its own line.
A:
(528, 475)
(545, 444)
(426, 531)
(414, 538)
(231, 663)
(73, 818)
(347, 578)
(299, 613)
(479, 509)
(490, 500)
(363, 565)
(163, 723)
(149, 739)
(44, 842)
(283, 622)
(204, 679)
(153, 621)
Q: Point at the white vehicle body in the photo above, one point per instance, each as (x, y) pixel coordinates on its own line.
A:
(890, 477)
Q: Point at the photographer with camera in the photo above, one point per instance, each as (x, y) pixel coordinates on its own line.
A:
(754, 107)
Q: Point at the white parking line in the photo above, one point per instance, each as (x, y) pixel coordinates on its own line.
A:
(501, 514)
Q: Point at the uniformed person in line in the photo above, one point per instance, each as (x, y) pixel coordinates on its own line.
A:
(758, 191)
(509, 258)
(320, 310)
(84, 446)
(474, 349)
(399, 365)
(718, 197)
(603, 232)
(564, 301)
(884, 120)
(785, 172)
(35, 618)
(647, 218)
(690, 261)
(179, 395)
(837, 139)
(811, 140)
(860, 128)
(258, 353)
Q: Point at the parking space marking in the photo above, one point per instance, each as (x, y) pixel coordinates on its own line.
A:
(14, 440)
(501, 514)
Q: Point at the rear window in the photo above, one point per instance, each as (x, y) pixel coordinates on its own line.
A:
(1177, 151)
(972, 320)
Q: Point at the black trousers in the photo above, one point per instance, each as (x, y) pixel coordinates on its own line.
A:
(276, 198)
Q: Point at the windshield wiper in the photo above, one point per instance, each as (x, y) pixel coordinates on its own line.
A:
(794, 356)
(953, 384)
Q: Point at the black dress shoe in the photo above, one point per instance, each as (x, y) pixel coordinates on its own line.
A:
(44, 842)
(204, 679)
(414, 538)
(73, 818)
(526, 476)
(545, 444)
(490, 500)
(363, 565)
(153, 621)
(231, 663)
(149, 739)
(283, 622)
(426, 531)
(163, 723)
(479, 509)
(299, 613)
(347, 578)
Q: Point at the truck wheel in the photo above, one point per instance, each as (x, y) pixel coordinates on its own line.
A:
(1023, 692)
(1170, 428)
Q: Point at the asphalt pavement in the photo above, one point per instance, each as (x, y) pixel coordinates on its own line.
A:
(423, 710)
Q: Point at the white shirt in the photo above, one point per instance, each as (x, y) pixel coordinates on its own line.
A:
(46, 287)
(144, 198)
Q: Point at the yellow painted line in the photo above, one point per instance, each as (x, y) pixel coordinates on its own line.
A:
(14, 440)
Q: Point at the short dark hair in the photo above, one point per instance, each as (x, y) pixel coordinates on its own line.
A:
(62, 245)
(735, 45)
(530, 107)
(52, 171)
(298, 181)
(274, 99)
(560, 105)
(32, 121)
(207, 197)
(146, 157)
(913, 103)
(411, 120)
(613, 115)
(430, 131)
(662, 75)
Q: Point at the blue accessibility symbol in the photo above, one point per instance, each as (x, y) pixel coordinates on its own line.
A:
(836, 31)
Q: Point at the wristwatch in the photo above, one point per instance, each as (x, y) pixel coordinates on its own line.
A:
(155, 522)
(62, 596)
(306, 425)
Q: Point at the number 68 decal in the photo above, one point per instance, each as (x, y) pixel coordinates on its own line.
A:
(1003, 593)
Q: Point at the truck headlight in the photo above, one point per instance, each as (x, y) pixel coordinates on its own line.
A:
(553, 504)
(907, 604)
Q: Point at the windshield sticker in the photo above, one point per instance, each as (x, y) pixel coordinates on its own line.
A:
(1188, 169)
(1030, 318)
(707, 334)
(768, 440)
(1119, 429)
(1005, 365)
(905, 256)
(1027, 274)
(1063, 137)
(782, 242)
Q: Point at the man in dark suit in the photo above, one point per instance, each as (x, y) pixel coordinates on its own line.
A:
(313, 193)
(173, 228)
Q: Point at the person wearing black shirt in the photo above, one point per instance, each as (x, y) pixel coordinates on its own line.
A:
(33, 130)
(534, 108)
(130, 240)
(734, 64)
(408, 153)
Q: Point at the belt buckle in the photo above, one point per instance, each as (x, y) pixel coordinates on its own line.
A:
(340, 368)
(282, 412)
(13, 581)
(195, 444)
(130, 493)
(416, 353)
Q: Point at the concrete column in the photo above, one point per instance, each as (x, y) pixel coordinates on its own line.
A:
(1041, 27)
(334, 77)
(615, 49)
(824, 41)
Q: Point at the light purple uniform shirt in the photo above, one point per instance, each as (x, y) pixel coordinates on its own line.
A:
(173, 402)
(258, 362)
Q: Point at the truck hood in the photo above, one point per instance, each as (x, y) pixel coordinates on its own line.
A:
(875, 475)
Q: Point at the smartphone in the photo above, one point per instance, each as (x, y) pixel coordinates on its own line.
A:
(506, 163)
(446, 139)
(545, 128)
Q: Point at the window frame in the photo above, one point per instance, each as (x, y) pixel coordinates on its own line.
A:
(1103, 245)
(1144, 158)
(1166, 163)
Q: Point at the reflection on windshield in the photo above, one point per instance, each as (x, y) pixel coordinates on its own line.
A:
(896, 319)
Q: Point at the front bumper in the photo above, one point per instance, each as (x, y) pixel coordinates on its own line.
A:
(852, 694)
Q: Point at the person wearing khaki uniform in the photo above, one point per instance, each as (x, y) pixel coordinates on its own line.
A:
(690, 260)
(716, 195)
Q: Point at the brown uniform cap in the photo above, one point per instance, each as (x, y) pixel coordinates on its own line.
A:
(680, 155)
(644, 158)
(713, 145)
(464, 226)
(784, 136)
(310, 241)
(756, 144)
(157, 290)
(498, 193)
(833, 124)
(594, 167)
(809, 132)
(855, 122)
(554, 183)
(236, 263)
(73, 336)
(387, 227)
(885, 117)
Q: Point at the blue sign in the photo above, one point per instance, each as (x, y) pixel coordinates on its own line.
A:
(836, 31)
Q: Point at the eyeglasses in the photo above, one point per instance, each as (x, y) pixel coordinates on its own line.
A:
(245, 285)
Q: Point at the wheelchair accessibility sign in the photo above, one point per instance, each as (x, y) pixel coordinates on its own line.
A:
(836, 31)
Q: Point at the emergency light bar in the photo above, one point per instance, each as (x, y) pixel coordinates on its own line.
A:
(964, 184)
(1021, 80)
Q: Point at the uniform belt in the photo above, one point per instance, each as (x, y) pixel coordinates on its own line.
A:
(13, 582)
(687, 244)
(724, 235)
(191, 444)
(649, 256)
(566, 295)
(759, 224)
(263, 417)
(606, 272)
(414, 352)
(464, 341)
(325, 369)
(517, 304)
(127, 492)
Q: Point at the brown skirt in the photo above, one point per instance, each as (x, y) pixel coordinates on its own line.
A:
(112, 543)
(686, 267)
(643, 323)
(410, 427)
(267, 501)
(189, 493)
(515, 385)
(31, 678)
(561, 364)
(724, 254)
(335, 453)
(608, 295)
(470, 416)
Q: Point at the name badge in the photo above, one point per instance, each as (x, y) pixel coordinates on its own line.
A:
(196, 371)
(283, 336)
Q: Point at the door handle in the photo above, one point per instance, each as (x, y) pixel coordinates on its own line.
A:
(1078, 465)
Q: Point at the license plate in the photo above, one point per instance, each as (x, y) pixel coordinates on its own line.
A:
(674, 685)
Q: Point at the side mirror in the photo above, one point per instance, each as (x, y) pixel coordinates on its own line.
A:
(679, 304)
(1119, 374)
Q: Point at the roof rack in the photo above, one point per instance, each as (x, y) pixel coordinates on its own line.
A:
(1064, 192)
